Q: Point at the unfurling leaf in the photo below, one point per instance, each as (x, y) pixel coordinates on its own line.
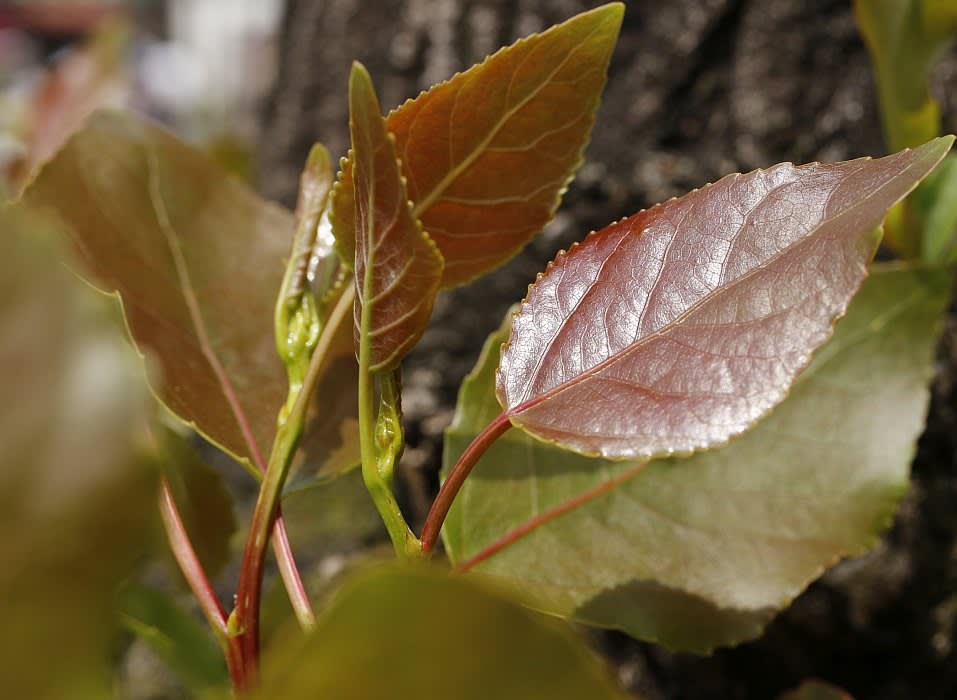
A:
(681, 326)
(702, 552)
(489, 153)
(397, 266)
(498, 650)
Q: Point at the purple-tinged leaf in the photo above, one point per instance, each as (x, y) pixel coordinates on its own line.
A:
(681, 326)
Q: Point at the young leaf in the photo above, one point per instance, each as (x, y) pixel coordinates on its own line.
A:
(489, 153)
(457, 640)
(702, 552)
(679, 327)
(76, 494)
(176, 636)
(398, 267)
(196, 259)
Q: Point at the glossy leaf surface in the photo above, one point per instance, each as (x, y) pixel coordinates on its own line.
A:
(397, 266)
(196, 259)
(681, 326)
(421, 634)
(489, 153)
(702, 552)
(76, 494)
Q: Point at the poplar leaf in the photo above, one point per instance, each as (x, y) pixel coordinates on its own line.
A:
(398, 267)
(680, 327)
(489, 153)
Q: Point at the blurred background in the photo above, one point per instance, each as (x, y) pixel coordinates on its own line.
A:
(201, 66)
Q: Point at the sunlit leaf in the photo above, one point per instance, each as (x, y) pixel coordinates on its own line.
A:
(681, 326)
(203, 501)
(196, 259)
(904, 38)
(76, 495)
(702, 552)
(397, 266)
(181, 640)
(489, 153)
(815, 690)
(422, 634)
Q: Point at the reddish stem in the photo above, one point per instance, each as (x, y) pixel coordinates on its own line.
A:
(199, 583)
(458, 475)
(549, 515)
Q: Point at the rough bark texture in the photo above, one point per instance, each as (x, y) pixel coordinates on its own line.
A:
(697, 89)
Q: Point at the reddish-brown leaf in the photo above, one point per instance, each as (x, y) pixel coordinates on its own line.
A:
(679, 327)
(196, 259)
(398, 267)
(489, 153)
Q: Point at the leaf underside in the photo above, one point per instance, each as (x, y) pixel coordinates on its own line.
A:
(681, 326)
(489, 153)
(701, 552)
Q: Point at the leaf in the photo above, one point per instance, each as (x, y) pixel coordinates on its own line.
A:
(177, 637)
(701, 552)
(904, 38)
(681, 326)
(935, 204)
(393, 633)
(816, 690)
(196, 260)
(77, 491)
(489, 153)
(397, 266)
(203, 501)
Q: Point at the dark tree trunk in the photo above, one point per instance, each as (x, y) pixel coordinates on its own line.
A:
(697, 89)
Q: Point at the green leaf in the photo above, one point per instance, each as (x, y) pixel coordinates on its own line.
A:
(416, 633)
(702, 552)
(177, 637)
(203, 501)
(77, 494)
(398, 267)
(680, 327)
(904, 38)
(815, 690)
(489, 153)
(196, 259)
(935, 206)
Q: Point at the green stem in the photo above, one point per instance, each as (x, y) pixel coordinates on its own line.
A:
(249, 592)
(378, 464)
